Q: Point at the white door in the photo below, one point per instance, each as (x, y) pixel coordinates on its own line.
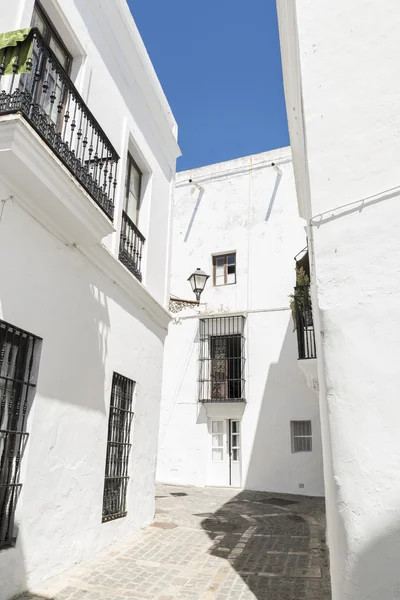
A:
(225, 456)
(218, 473)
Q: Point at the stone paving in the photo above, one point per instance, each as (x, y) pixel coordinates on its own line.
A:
(212, 544)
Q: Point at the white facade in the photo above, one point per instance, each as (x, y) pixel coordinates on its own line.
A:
(340, 62)
(62, 281)
(248, 207)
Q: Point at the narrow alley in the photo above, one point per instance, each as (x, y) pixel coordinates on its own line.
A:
(211, 544)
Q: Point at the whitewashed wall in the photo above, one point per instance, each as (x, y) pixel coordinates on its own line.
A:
(114, 75)
(246, 206)
(348, 60)
(94, 317)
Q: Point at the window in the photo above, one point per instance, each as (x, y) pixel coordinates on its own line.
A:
(221, 359)
(18, 350)
(118, 448)
(50, 91)
(217, 432)
(224, 269)
(133, 185)
(42, 22)
(301, 436)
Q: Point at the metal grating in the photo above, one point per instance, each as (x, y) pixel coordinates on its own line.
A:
(304, 322)
(222, 359)
(17, 382)
(118, 448)
(301, 436)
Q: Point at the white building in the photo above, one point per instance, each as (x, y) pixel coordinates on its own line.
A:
(234, 400)
(340, 64)
(81, 338)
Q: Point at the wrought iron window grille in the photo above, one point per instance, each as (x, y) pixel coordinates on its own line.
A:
(118, 448)
(222, 359)
(49, 101)
(19, 357)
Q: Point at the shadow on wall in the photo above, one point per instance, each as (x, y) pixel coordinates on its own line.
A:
(275, 544)
(64, 300)
(272, 466)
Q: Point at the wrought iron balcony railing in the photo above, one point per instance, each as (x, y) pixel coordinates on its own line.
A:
(131, 246)
(304, 322)
(48, 99)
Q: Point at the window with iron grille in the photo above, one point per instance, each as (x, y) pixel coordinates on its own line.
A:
(301, 436)
(18, 371)
(222, 359)
(118, 448)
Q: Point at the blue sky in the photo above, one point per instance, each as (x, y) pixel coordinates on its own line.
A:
(219, 64)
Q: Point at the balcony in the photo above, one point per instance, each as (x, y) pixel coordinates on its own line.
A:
(304, 322)
(46, 97)
(131, 246)
(305, 335)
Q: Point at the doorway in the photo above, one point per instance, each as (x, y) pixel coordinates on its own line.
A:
(225, 452)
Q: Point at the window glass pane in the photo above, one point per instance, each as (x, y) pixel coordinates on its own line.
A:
(235, 454)
(220, 261)
(38, 21)
(217, 440)
(217, 427)
(235, 440)
(231, 278)
(220, 280)
(59, 52)
(231, 269)
(231, 259)
(234, 426)
(217, 454)
(135, 180)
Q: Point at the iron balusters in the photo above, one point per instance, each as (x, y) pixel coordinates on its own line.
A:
(131, 246)
(49, 101)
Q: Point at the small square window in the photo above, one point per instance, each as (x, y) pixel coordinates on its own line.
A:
(224, 269)
(301, 436)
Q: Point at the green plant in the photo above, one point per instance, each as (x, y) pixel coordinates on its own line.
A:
(301, 295)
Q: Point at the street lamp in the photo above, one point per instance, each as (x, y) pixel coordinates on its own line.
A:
(198, 280)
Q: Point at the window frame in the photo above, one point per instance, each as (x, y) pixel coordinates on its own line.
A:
(51, 31)
(130, 162)
(303, 437)
(118, 447)
(227, 333)
(225, 256)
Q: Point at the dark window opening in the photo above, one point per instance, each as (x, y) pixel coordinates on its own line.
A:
(118, 448)
(18, 350)
(222, 360)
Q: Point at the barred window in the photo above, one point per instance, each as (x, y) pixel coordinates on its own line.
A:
(18, 371)
(301, 436)
(222, 360)
(118, 448)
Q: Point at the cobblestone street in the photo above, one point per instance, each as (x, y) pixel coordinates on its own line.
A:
(212, 544)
